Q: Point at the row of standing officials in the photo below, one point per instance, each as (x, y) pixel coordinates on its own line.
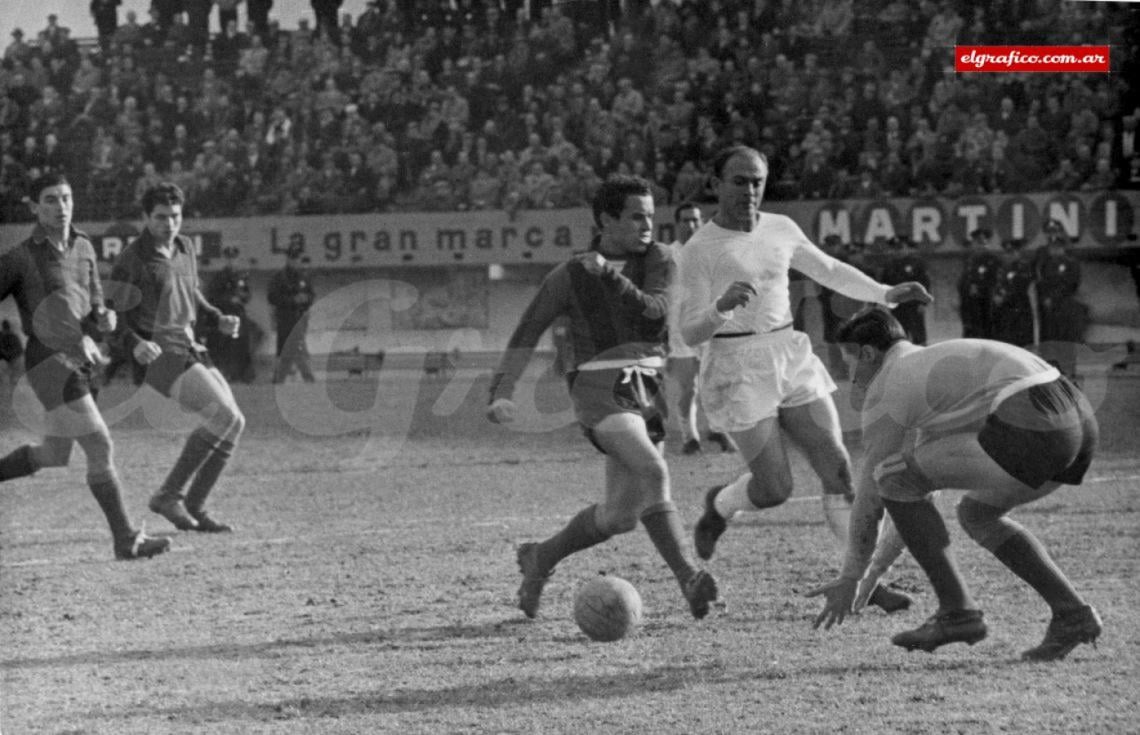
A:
(1023, 297)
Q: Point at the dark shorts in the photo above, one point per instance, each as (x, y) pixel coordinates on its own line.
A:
(1046, 432)
(597, 394)
(58, 379)
(168, 368)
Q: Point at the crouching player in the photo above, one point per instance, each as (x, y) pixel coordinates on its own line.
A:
(615, 300)
(981, 416)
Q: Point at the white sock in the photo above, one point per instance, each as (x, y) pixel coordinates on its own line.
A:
(733, 498)
(837, 513)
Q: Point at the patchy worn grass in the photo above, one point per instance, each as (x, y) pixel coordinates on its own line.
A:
(370, 589)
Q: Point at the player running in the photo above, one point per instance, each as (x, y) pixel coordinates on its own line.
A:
(614, 298)
(760, 380)
(53, 276)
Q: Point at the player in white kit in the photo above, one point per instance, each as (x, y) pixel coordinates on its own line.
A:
(760, 379)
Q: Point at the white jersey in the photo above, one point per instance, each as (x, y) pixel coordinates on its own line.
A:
(715, 257)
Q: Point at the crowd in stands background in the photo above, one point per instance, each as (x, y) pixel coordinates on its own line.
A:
(480, 104)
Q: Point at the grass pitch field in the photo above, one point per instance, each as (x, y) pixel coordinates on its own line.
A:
(370, 589)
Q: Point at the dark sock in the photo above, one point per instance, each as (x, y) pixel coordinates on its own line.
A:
(1027, 558)
(18, 463)
(580, 533)
(197, 450)
(663, 523)
(110, 498)
(922, 528)
(207, 476)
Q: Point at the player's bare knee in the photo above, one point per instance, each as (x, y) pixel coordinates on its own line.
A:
(616, 521)
(237, 427)
(98, 448)
(226, 421)
(985, 524)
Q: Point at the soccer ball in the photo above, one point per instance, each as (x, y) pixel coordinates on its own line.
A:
(607, 608)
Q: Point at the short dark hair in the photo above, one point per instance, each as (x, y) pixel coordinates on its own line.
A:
(46, 181)
(874, 326)
(722, 157)
(611, 195)
(682, 207)
(163, 193)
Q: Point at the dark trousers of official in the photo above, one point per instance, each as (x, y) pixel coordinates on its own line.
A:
(292, 352)
(1062, 331)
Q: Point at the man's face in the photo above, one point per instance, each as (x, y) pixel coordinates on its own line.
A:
(740, 190)
(688, 222)
(164, 222)
(632, 230)
(53, 208)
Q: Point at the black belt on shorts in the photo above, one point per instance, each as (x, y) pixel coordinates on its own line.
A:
(734, 335)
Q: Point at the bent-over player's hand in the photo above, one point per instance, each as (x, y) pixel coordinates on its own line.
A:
(228, 325)
(909, 291)
(146, 352)
(91, 352)
(839, 595)
(501, 411)
(738, 294)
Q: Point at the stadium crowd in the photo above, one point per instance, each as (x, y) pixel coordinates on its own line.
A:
(480, 104)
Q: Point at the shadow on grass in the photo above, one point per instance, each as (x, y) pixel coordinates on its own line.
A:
(239, 651)
(522, 691)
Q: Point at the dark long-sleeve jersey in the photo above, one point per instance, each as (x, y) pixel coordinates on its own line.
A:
(157, 297)
(614, 315)
(56, 292)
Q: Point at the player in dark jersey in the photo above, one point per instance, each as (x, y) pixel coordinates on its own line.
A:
(155, 287)
(54, 279)
(615, 301)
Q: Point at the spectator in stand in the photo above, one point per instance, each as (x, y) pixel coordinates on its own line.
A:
(485, 190)
(1064, 178)
(817, 177)
(258, 14)
(106, 15)
(895, 176)
(866, 186)
(1102, 178)
(536, 187)
(17, 50)
(1006, 119)
(325, 12)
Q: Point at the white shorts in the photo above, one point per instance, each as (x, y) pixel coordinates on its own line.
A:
(747, 379)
